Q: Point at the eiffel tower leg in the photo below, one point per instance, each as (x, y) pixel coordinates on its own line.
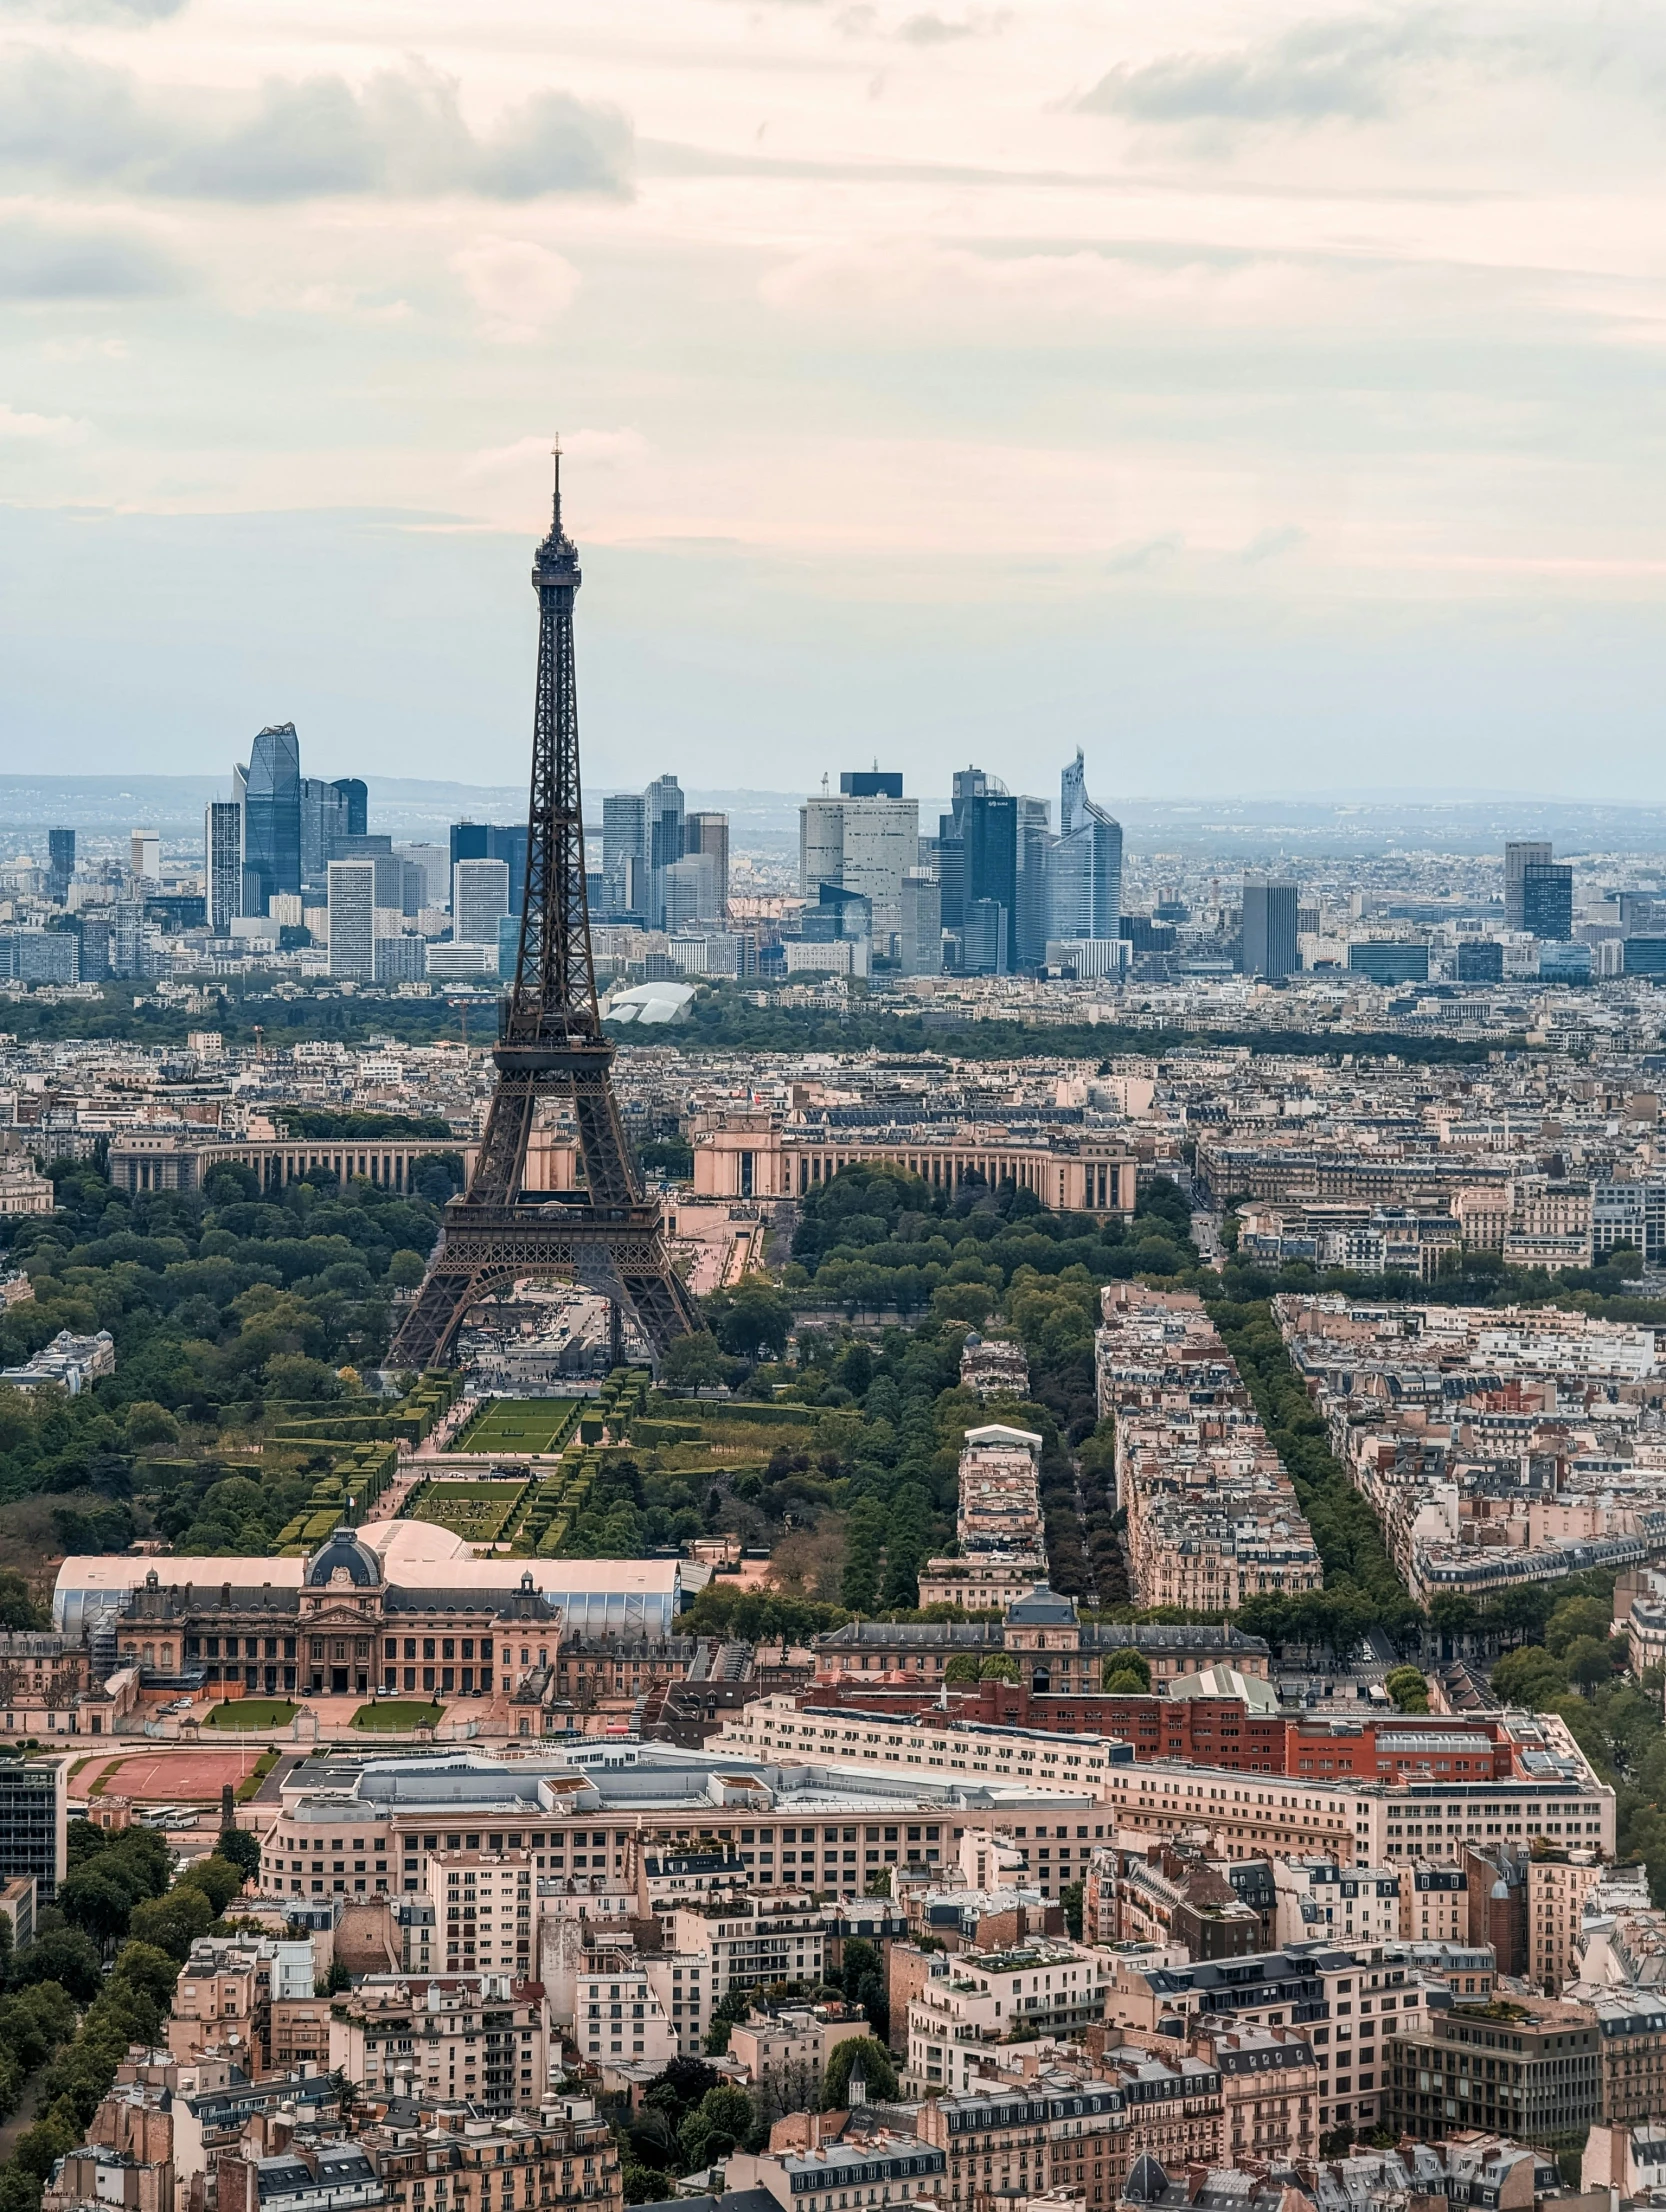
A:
(426, 1332)
(615, 1334)
(663, 1307)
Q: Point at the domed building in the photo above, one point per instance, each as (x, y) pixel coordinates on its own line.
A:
(399, 1608)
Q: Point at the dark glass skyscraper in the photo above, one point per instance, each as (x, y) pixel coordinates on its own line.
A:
(270, 792)
(356, 799)
(1547, 900)
(60, 863)
(1269, 928)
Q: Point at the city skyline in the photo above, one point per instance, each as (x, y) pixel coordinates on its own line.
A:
(1195, 390)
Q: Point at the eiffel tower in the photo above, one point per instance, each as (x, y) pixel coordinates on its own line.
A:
(606, 1237)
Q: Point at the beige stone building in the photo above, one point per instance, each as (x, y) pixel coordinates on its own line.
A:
(1557, 1886)
(484, 2037)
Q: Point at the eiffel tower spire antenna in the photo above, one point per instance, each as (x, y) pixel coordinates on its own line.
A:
(551, 1045)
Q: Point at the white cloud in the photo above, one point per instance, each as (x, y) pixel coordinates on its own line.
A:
(521, 288)
(40, 429)
(64, 115)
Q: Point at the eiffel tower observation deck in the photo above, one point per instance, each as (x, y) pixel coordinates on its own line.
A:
(606, 1236)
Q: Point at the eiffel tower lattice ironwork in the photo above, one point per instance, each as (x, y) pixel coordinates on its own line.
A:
(606, 1237)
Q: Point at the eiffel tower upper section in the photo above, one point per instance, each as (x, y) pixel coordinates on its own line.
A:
(551, 1044)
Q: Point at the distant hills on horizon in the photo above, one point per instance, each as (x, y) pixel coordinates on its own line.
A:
(417, 808)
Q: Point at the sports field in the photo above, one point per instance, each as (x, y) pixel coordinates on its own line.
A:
(521, 1425)
(169, 1777)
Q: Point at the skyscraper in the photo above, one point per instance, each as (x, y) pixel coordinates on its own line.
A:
(479, 899)
(1547, 900)
(323, 826)
(145, 854)
(688, 890)
(270, 791)
(1033, 916)
(920, 936)
(352, 911)
(989, 832)
(1269, 928)
(1520, 854)
(355, 801)
(222, 882)
(625, 851)
(860, 841)
(709, 834)
(870, 783)
(667, 839)
(60, 865)
(1086, 862)
(505, 841)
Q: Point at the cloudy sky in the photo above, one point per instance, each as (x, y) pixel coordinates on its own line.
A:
(1263, 398)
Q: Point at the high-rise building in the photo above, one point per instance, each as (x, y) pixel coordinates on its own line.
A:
(688, 892)
(984, 938)
(270, 792)
(355, 803)
(34, 1823)
(222, 880)
(861, 842)
(1520, 854)
(920, 934)
(709, 834)
(1034, 912)
(145, 854)
(323, 826)
(435, 869)
(60, 865)
(1480, 960)
(1269, 928)
(625, 851)
(1086, 862)
(1547, 900)
(352, 912)
(505, 841)
(667, 839)
(989, 832)
(479, 899)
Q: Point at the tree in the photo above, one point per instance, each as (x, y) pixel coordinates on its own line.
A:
(1408, 1688)
(1592, 1660)
(96, 1900)
(694, 1362)
(733, 2005)
(173, 1923)
(753, 1320)
(1576, 1617)
(1125, 1664)
(876, 2064)
(963, 1667)
(240, 1850)
(218, 1880)
(65, 1956)
(1070, 1897)
(1529, 1677)
(722, 2120)
(85, 1842)
(999, 1669)
(146, 1969)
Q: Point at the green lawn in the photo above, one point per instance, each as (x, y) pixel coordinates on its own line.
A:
(397, 1716)
(521, 1425)
(253, 1712)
